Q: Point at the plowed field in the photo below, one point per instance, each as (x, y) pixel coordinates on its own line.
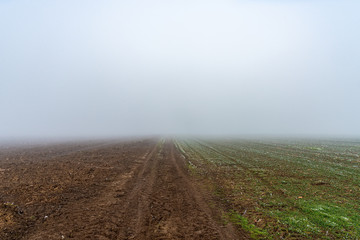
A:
(105, 190)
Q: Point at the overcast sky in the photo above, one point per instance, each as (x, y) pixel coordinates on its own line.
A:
(113, 68)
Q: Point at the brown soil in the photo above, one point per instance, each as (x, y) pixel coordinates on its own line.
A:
(115, 190)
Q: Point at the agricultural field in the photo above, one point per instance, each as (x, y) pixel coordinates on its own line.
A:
(181, 189)
(138, 189)
(282, 189)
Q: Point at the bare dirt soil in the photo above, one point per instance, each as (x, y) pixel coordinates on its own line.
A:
(137, 189)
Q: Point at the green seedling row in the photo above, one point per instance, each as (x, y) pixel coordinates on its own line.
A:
(288, 189)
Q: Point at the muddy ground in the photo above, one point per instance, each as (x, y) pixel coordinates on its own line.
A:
(137, 189)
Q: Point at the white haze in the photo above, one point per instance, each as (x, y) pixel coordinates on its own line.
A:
(123, 68)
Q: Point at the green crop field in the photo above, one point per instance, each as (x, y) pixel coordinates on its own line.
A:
(282, 189)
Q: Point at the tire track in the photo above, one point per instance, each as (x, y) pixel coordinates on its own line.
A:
(134, 204)
(167, 206)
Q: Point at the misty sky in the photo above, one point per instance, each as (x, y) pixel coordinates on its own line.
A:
(114, 68)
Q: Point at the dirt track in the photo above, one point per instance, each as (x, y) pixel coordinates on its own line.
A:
(128, 190)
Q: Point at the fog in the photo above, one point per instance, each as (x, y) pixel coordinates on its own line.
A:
(128, 68)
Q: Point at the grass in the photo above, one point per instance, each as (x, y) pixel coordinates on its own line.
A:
(299, 189)
(243, 222)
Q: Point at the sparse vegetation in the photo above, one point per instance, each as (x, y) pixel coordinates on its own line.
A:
(288, 189)
(255, 232)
